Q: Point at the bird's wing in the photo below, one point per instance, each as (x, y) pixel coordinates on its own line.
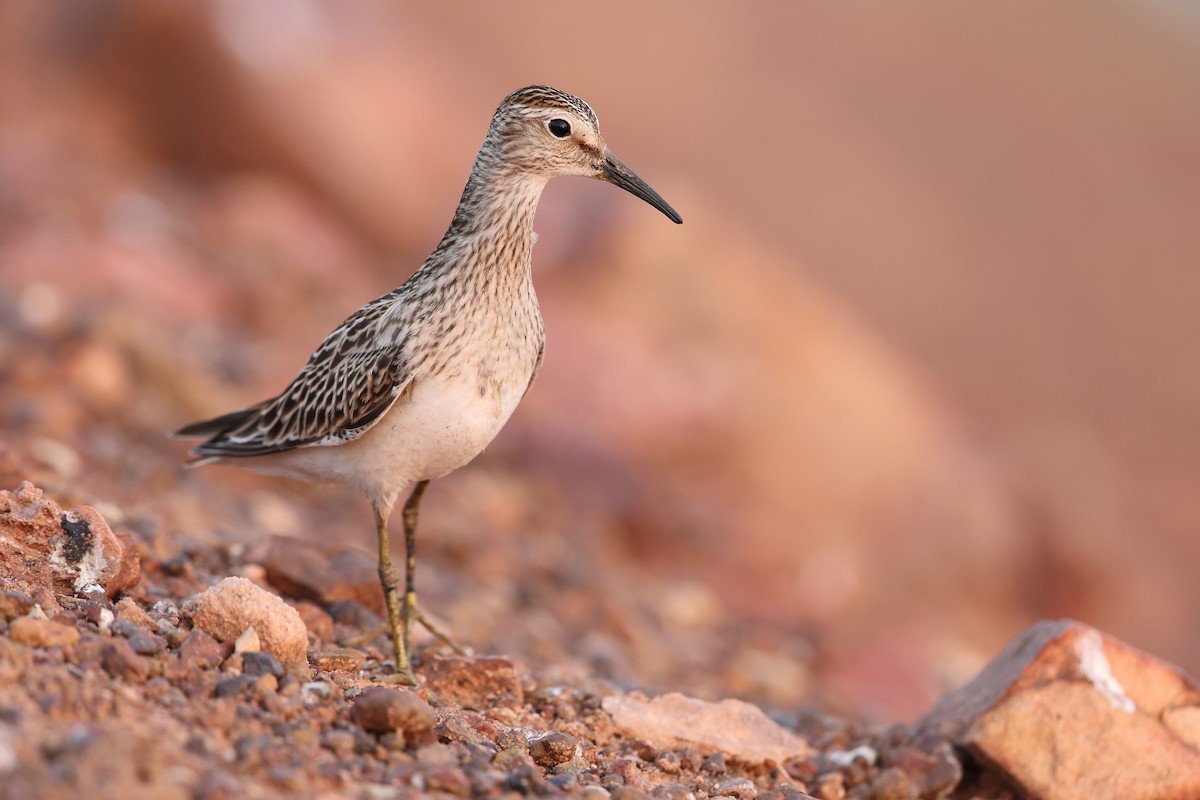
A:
(348, 383)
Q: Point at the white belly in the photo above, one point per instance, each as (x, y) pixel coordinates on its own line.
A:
(442, 425)
(438, 427)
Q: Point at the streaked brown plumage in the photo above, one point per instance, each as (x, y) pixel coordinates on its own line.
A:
(416, 383)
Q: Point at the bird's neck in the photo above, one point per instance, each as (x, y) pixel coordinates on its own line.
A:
(492, 230)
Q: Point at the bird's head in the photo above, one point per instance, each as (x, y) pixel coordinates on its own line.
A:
(545, 131)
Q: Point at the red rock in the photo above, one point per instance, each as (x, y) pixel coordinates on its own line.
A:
(742, 788)
(740, 730)
(15, 604)
(119, 660)
(202, 650)
(448, 779)
(893, 784)
(41, 633)
(479, 683)
(340, 659)
(128, 609)
(324, 575)
(44, 597)
(551, 749)
(938, 772)
(381, 709)
(65, 552)
(227, 609)
(1066, 711)
(831, 786)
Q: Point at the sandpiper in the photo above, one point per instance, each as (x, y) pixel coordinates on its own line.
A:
(415, 384)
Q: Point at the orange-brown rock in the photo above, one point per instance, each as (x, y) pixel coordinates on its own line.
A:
(227, 609)
(67, 552)
(481, 683)
(1066, 712)
(41, 633)
(308, 571)
(738, 729)
(380, 709)
(336, 659)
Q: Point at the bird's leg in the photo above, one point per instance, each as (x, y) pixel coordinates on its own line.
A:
(389, 580)
(412, 611)
(410, 555)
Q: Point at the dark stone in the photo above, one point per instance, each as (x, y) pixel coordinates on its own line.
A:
(120, 661)
(261, 663)
(233, 685)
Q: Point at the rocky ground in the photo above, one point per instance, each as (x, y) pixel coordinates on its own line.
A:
(124, 674)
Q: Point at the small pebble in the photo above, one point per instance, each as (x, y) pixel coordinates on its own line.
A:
(46, 600)
(714, 764)
(247, 642)
(120, 661)
(339, 659)
(201, 650)
(261, 663)
(266, 684)
(668, 762)
(339, 742)
(450, 780)
(552, 749)
(129, 612)
(41, 633)
(123, 627)
(436, 753)
(316, 691)
(15, 604)
(673, 791)
(233, 685)
(565, 780)
(146, 644)
(741, 788)
(380, 709)
(830, 786)
(893, 784)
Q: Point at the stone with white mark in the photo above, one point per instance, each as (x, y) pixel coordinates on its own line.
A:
(72, 552)
(1066, 711)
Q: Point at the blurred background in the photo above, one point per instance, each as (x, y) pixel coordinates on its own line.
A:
(918, 369)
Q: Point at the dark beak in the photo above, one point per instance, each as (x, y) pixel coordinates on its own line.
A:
(618, 174)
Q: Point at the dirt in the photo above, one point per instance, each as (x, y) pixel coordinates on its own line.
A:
(136, 702)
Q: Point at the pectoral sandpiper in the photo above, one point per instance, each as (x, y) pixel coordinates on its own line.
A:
(416, 383)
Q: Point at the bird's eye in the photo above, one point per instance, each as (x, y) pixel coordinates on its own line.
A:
(559, 128)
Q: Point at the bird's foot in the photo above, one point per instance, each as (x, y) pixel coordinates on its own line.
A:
(368, 635)
(400, 678)
(417, 616)
(413, 613)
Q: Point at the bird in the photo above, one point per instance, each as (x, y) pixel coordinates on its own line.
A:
(416, 383)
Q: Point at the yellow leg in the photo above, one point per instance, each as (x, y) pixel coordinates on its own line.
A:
(412, 610)
(402, 614)
(410, 557)
(389, 580)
